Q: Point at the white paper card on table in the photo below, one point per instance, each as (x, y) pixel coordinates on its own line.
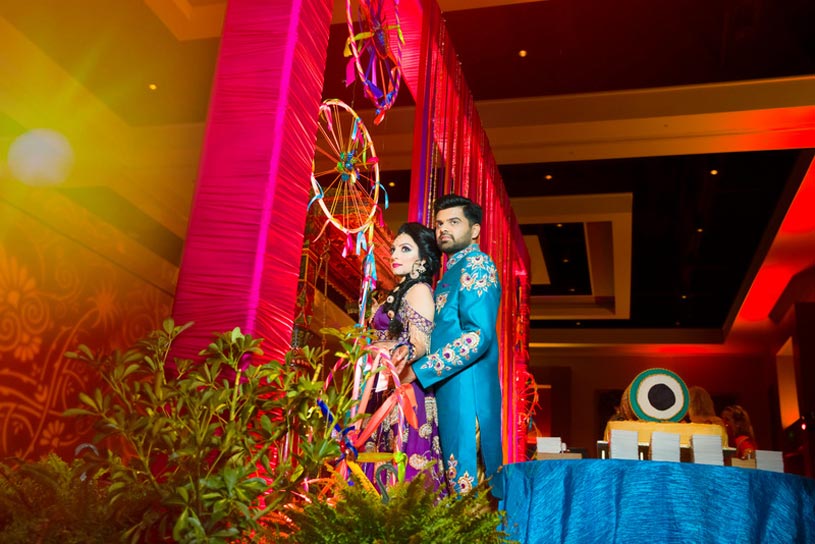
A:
(706, 449)
(548, 444)
(770, 460)
(624, 445)
(665, 446)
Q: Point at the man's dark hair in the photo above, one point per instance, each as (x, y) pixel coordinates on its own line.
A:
(472, 211)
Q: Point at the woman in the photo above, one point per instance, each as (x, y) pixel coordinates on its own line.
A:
(402, 325)
(700, 407)
(740, 431)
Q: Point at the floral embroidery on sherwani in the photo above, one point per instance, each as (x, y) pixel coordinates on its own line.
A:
(461, 254)
(441, 300)
(465, 483)
(451, 469)
(454, 353)
(479, 274)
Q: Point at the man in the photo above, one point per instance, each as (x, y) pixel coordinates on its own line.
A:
(462, 363)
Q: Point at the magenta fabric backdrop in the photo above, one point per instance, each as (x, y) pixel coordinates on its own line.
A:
(242, 252)
(452, 154)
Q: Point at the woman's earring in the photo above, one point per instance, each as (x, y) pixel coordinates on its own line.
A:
(417, 269)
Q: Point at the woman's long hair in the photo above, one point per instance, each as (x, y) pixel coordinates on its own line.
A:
(739, 422)
(425, 239)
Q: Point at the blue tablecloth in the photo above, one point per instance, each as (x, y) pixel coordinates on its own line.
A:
(595, 500)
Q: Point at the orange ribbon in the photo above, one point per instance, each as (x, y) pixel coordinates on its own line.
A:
(405, 396)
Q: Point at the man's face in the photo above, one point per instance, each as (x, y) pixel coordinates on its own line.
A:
(453, 231)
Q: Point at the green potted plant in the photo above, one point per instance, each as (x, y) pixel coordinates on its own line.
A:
(205, 445)
(230, 448)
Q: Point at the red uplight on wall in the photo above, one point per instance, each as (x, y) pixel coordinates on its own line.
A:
(770, 282)
(800, 218)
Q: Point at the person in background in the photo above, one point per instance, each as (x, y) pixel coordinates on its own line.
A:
(700, 407)
(462, 364)
(740, 431)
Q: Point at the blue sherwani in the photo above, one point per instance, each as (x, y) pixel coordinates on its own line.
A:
(462, 365)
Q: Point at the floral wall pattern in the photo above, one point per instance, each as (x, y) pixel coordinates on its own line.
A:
(65, 279)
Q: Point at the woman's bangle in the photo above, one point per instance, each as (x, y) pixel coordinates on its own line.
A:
(411, 350)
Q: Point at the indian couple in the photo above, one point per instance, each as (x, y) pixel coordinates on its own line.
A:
(445, 346)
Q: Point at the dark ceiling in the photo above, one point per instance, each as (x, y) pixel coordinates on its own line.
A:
(695, 235)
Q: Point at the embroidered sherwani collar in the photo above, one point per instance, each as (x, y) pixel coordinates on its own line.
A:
(461, 254)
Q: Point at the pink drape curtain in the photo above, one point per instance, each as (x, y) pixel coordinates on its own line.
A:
(452, 154)
(242, 252)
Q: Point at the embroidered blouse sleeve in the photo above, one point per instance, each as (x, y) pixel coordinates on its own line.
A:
(418, 303)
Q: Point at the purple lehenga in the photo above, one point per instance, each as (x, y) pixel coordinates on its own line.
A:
(421, 445)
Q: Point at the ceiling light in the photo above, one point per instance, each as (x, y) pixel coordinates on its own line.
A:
(714, 172)
(522, 53)
(391, 184)
(547, 177)
(684, 297)
(152, 86)
(565, 260)
(700, 229)
(559, 225)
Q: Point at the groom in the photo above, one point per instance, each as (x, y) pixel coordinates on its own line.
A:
(462, 362)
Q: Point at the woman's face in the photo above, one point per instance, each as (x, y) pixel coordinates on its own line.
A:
(404, 253)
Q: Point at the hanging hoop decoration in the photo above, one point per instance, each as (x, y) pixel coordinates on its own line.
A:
(345, 175)
(345, 181)
(375, 49)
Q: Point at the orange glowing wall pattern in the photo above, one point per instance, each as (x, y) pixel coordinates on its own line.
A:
(65, 279)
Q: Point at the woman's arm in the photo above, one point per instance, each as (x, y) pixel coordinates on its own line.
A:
(417, 317)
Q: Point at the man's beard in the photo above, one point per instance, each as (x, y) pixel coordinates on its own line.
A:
(454, 246)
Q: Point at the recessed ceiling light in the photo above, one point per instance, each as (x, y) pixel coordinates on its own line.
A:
(571, 289)
(559, 225)
(714, 172)
(522, 53)
(565, 260)
(391, 184)
(152, 86)
(547, 177)
(684, 297)
(700, 229)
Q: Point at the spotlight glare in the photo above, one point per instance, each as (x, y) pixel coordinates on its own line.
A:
(714, 172)
(522, 53)
(40, 158)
